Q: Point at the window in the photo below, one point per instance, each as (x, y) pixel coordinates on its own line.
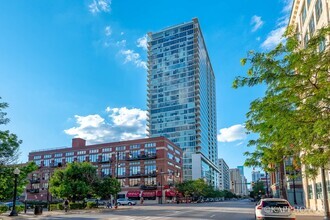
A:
(150, 169)
(170, 147)
(150, 181)
(108, 149)
(93, 151)
(150, 145)
(45, 185)
(170, 156)
(318, 190)
(134, 146)
(81, 152)
(318, 9)
(177, 152)
(121, 155)
(121, 171)
(150, 162)
(81, 158)
(93, 158)
(57, 161)
(58, 155)
(37, 157)
(106, 157)
(303, 14)
(322, 45)
(105, 172)
(310, 192)
(122, 182)
(177, 160)
(46, 163)
(47, 156)
(311, 25)
(69, 159)
(134, 182)
(38, 162)
(135, 170)
(46, 176)
(69, 154)
(150, 151)
(120, 148)
(35, 186)
(134, 154)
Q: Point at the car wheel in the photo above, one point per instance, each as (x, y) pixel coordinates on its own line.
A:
(129, 203)
(118, 203)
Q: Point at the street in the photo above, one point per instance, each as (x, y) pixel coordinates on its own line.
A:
(231, 210)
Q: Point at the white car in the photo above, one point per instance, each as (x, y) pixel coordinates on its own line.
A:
(274, 208)
(125, 202)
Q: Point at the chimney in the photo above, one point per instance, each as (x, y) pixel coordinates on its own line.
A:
(78, 142)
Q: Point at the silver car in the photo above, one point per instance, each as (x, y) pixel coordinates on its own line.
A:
(124, 201)
(274, 208)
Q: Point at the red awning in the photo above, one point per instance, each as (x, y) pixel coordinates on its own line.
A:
(133, 194)
(170, 193)
(159, 193)
(148, 193)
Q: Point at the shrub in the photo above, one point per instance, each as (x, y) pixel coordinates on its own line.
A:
(76, 206)
(53, 207)
(3, 208)
(91, 205)
(19, 208)
(60, 206)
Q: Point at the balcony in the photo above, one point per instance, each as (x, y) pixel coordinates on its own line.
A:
(150, 187)
(33, 190)
(142, 157)
(104, 161)
(36, 180)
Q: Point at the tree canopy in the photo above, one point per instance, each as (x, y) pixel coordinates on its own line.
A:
(293, 116)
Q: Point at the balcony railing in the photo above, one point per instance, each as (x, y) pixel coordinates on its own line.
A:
(33, 190)
(142, 157)
(37, 180)
(104, 161)
(151, 187)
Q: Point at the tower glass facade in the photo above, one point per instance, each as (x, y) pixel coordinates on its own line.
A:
(181, 97)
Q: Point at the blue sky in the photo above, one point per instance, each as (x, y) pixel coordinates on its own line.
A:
(77, 68)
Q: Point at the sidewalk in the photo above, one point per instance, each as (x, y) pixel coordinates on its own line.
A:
(30, 213)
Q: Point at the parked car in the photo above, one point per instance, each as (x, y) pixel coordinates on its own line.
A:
(10, 204)
(124, 201)
(274, 209)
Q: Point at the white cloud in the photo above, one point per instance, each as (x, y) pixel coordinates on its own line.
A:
(233, 133)
(131, 56)
(256, 22)
(276, 35)
(107, 31)
(98, 6)
(143, 42)
(119, 125)
(121, 43)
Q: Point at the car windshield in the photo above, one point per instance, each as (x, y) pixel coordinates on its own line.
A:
(280, 204)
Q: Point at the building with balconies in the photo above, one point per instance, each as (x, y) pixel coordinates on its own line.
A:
(147, 168)
(182, 98)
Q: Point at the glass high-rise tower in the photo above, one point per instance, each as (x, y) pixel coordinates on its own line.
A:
(181, 97)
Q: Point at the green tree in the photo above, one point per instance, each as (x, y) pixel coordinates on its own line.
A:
(186, 188)
(106, 187)
(76, 181)
(293, 116)
(7, 180)
(9, 142)
(259, 188)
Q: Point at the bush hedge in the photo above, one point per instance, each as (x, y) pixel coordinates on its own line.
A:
(76, 206)
(3, 208)
(91, 205)
(19, 208)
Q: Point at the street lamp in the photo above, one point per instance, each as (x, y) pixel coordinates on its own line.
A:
(161, 185)
(13, 211)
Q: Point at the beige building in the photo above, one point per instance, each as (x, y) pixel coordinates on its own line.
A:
(307, 17)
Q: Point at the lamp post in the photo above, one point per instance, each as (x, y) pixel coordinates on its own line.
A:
(161, 185)
(13, 211)
(117, 170)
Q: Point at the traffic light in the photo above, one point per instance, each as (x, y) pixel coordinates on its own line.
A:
(232, 183)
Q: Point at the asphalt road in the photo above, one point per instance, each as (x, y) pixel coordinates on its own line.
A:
(226, 210)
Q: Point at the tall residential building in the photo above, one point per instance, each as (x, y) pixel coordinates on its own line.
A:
(241, 170)
(307, 16)
(181, 97)
(224, 178)
(255, 176)
(236, 181)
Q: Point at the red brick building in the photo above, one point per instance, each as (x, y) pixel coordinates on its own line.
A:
(146, 168)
